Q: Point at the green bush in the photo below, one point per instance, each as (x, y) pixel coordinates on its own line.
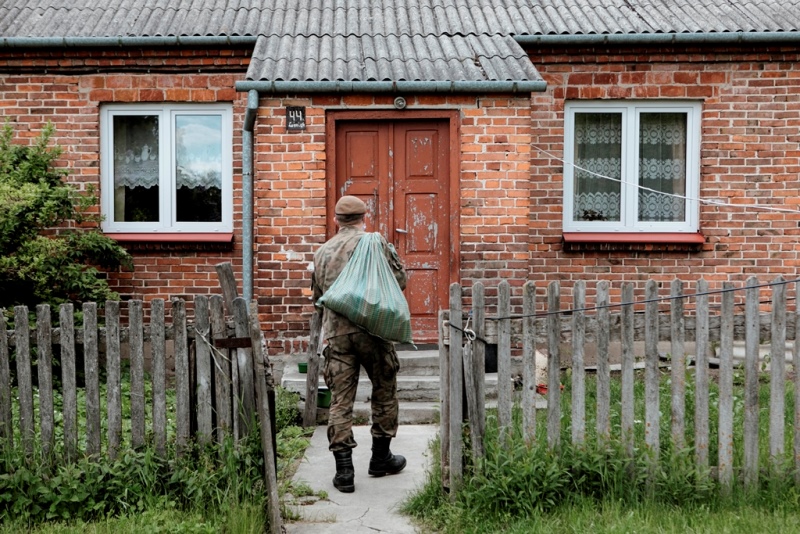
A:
(51, 249)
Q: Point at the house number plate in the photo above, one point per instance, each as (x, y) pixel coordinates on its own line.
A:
(295, 118)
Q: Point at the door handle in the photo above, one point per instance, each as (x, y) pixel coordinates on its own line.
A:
(400, 231)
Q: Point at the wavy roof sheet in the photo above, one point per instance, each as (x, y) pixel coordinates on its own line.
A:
(360, 40)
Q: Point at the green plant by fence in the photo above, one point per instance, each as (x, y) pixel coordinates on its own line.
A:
(463, 337)
(221, 378)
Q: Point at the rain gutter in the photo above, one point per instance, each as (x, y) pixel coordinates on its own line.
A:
(526, 86)
(247, 194)
(661, 38)
(79, 42)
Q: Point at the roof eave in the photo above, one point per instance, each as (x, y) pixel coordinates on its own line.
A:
(661, 38)
(124, 41)
(400, 86)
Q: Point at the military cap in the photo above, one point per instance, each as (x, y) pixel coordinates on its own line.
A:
(350, 205)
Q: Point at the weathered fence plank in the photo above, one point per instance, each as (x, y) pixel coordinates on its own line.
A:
(796, 366)
(725, 430)
(701, 391)
(222, 370)
(777, 362)
(529, 362)
(202, 326)
(91, 371)
(553, 366)
(69, 396)
(444, 399)
(114, 399)
(603, 377)
(244, 361)
(136, 318)
(158, 345)
(44, 349)
(651, 375)
(455, 381)
(24, 380)
(6, 423)
(312, 371)
(182, 393)
(479, 356)
(628, 357)
(678, 371)
(471, 392)
(504, 383)
(578, 379)
(751, 385)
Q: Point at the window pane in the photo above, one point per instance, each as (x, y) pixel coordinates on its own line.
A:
(662, 166)
(198, 168)
(136, 168)
(598, 151)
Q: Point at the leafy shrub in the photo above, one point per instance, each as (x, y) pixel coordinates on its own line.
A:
(50, 246)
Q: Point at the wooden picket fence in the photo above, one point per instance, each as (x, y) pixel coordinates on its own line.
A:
(462, 344)
(221, 378)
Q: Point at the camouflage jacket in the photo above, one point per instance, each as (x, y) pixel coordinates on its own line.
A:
(329, 261)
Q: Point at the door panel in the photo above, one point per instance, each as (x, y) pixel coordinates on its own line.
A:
(401, 170)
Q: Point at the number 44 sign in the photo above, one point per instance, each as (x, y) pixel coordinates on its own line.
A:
(295, 118)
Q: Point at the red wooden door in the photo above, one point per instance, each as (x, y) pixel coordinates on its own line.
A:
(401, 170)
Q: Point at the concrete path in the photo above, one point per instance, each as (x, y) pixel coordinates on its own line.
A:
(373, 507)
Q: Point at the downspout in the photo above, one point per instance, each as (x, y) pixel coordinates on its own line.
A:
(247, 194)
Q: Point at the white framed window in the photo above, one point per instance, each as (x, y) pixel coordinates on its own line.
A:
(166, 168)
(632, 166)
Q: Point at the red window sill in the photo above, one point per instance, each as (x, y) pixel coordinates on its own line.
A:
(632, 242)
(666, 238)
(155, 237)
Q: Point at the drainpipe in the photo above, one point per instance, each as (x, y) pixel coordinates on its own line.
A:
(409, 86)
(105, 42)
(763, 38)
(247, 194)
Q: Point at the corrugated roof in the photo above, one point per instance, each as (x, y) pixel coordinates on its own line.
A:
(362, 40)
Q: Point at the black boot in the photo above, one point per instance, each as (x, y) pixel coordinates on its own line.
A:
(383, 462)
(345, 473)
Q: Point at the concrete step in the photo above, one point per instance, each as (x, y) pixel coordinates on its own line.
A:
(424, 388)
(411, 412)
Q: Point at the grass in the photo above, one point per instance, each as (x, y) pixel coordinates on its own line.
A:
(520, 487)
(214, 489)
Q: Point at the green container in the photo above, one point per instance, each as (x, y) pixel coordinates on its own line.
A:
(323, 398)
(302, 367)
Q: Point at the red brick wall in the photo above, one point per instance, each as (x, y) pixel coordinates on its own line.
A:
(749, 156)
(291, 218)
(68, 89)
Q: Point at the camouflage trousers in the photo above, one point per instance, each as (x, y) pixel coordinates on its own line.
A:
(344, 357)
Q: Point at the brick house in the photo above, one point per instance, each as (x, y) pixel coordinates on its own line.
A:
(492, 140)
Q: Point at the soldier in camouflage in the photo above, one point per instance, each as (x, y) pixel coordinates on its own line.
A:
(350, 347)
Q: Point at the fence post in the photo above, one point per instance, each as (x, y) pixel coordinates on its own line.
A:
(91, 369)
(158, 344)
(264, 417)
(701, 377)
(751, 385)
(504, 383)
(627, 331)
(456, 391)
(777, 386)
(245, 368)
(553, 365)
(578, 377)
(678, 372)
(44, 347)
(222, 370)
(603, 370)
(529, 362)
(725, 444)
(24, 380)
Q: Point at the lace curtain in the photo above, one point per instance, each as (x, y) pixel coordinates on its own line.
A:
(662, 166)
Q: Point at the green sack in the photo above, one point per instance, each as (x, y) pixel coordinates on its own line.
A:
(367, 293)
